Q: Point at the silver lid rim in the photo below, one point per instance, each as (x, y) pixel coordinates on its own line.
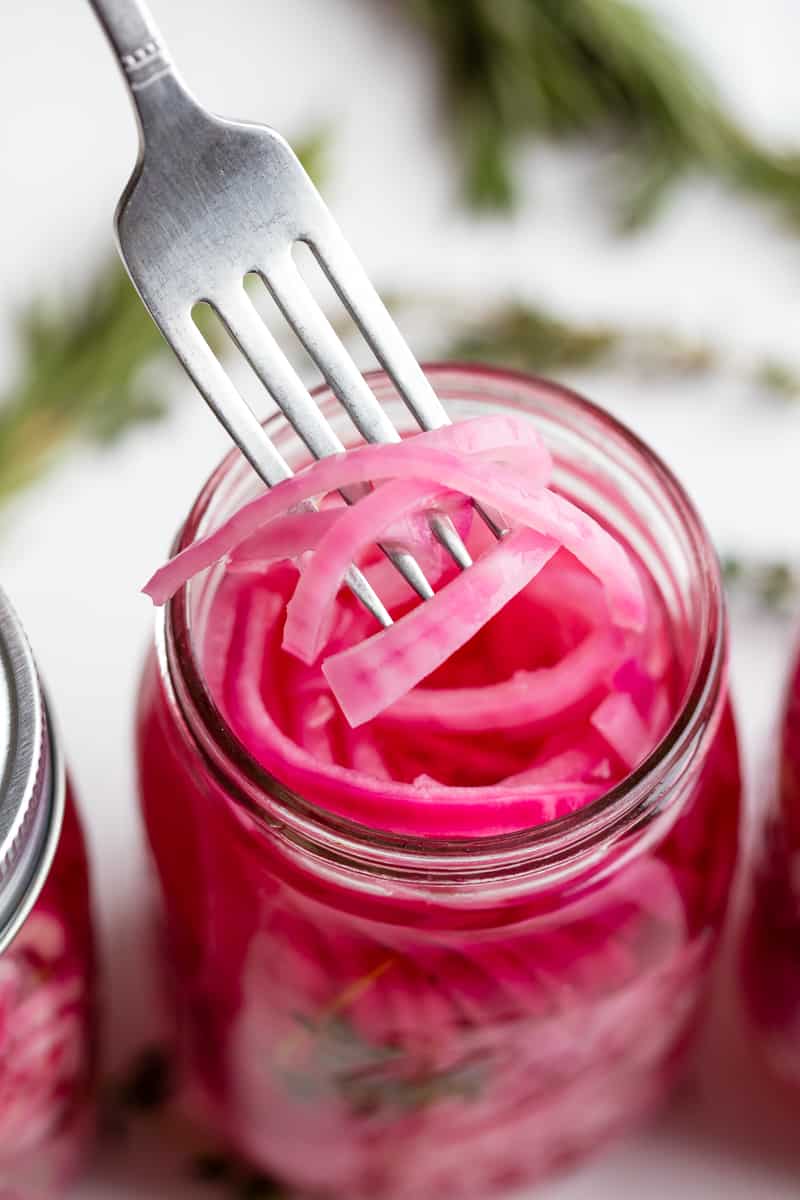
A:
(53, 822)
(32, 778)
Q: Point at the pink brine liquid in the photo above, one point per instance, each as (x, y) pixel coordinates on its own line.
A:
(47, 1032)
(362, 1024)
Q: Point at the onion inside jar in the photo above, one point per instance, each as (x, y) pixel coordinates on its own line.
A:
(452, 888)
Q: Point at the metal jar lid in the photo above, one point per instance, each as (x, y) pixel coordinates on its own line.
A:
(31, 779)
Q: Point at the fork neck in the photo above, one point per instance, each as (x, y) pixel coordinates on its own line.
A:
(155, 87)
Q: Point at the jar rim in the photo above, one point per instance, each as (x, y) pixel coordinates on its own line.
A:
(31, 778)
(637, 797)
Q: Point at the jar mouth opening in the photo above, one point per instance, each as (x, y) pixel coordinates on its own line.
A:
(630, 802)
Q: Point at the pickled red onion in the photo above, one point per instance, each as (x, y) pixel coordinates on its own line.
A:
(618, 721)
(480, 436)
(362, 524)
(527, 699)
(530, 505)
(527, 680)
(290, 537)
(369, 677)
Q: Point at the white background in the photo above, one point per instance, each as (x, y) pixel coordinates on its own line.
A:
(75, 550)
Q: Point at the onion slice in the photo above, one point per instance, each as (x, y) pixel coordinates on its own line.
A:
(369, 677)
(617, 720)
(538, 509)
(288, 537)
(359, 526)
(527, 700)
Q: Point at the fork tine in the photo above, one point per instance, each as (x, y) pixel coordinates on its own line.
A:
(245, 325)
(228, 405)
(351, 283)
(235, 414)
(299, 307)
(315, 331)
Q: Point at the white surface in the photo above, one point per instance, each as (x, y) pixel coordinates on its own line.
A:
(74, 552)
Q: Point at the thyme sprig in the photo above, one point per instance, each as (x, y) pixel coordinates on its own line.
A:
(603, 72)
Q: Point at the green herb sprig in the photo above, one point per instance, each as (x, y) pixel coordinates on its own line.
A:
(532, 337)
(88, 366)
(773, 586)
(529, 337)
(95, 368)
(598, 71)
(80, 376)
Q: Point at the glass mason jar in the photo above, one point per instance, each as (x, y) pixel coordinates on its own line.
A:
(771, 944)
(47, 998)
(367, 1014)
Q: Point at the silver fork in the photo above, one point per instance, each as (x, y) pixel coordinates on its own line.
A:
(212, 201)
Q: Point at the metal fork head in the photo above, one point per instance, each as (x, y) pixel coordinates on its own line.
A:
(233, 201)
(212, 201)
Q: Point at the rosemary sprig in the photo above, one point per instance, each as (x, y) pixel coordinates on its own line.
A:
(80, 376)
(779, 378)
(531, 338)
(89, 370)
(86, 366)
(773, 586)
(599, 70)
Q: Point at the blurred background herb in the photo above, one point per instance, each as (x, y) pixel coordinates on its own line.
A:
(88, 365)
(81, 375)
(772, 586)
(533, 338)
(94, 368)
(604, 72)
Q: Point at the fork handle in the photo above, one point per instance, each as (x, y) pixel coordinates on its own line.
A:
(141, 54)
(134, 38)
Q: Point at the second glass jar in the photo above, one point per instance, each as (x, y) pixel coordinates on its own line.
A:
(771, 944)
(48, 1013)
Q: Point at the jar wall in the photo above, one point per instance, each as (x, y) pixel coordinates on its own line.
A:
(48, 1030)
(369, 1046)
(771, 943)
